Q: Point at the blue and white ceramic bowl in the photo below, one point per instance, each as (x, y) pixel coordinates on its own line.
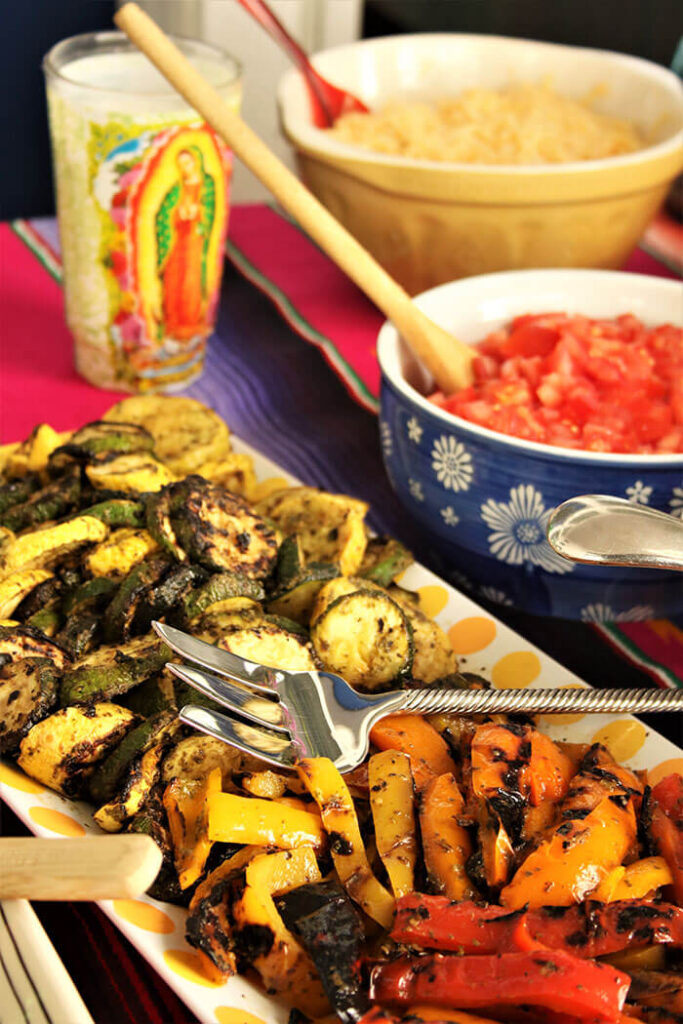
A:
(485, 498)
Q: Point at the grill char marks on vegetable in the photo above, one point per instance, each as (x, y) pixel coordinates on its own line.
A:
(220, 530)
(588, 929)
(329, 928)
(28, 690)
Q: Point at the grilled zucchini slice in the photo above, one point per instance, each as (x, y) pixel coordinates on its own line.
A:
(102, 437)
(433, 657)
(297, 584)
(161, 597)
(154, 695)
(62, 750)
(330, 527)
(119, 553)
(113, 669)
(18, 585)
(220, 587)
(118, 512)
(80, 633)
(28, 690)
(233, 613)
(107, 777)
(186, 433)
(363, 636)
(44, 547)
(51, 502)
(140, 779)
(158, 520)
(220, 530)
(48, 621)
(384, 560)
(17, 642)
(119, 618)
(16, 492)
(132, 474)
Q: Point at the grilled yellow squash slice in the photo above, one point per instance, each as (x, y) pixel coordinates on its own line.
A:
(120, 552)
(62, 750)
(47, 545)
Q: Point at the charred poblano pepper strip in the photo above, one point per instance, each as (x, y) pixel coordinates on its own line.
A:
(325, 921)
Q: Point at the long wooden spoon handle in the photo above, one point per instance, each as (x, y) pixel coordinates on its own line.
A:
(92, 868)
(448, 359)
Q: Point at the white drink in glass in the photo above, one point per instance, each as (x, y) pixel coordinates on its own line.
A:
(142, 190)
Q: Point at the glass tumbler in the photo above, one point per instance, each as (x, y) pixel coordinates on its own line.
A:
(143, 189)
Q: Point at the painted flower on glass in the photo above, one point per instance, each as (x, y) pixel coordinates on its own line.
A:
(385, 438)
(605, 613)
(518, 529)
(496, 595)
(415, 431)
(639, 493)
(452, 464)
(449, 517)
(676, 502)
(415, 488)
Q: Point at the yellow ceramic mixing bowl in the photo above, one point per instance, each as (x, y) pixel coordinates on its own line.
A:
(429, 222)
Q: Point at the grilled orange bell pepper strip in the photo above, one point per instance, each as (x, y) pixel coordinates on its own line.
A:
(185, 801)
(666, 826)
(551, 980)
(588, 930)
(574, 860)
(413, 735)
(445, 842)
(638, 880)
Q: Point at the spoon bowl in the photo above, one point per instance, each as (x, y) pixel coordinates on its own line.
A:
(597, 529)
(328, 101)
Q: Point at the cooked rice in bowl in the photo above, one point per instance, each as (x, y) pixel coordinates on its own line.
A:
(520, 124)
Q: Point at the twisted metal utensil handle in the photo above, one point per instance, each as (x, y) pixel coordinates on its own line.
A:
(559, 701)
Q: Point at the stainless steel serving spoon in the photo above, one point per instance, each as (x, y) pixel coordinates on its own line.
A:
(601, 530)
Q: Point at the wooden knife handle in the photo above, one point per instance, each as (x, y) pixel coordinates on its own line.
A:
(92, 868)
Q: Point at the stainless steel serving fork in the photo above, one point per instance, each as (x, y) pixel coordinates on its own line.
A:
(280, 716)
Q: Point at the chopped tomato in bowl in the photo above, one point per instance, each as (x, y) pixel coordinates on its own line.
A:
(571, 381)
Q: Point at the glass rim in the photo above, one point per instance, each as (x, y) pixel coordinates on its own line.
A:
(120, 42)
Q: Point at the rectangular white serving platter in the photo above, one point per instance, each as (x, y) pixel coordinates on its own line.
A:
(157, 929)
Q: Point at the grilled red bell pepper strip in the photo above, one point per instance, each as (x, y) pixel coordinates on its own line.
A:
(666, 826)
(549, 980)
(587, 929)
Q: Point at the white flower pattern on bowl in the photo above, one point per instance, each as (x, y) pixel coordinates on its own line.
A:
(600, 613)
(676, 502)
(452, 464)
(415, 431)
(496, 595)
(449, 517)
(386, 439)
(639, 493)
(519, 528)
(415, 488)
